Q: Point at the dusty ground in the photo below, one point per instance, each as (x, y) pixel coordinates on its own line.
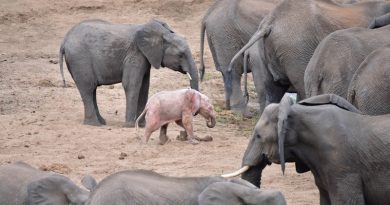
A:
(41, 122)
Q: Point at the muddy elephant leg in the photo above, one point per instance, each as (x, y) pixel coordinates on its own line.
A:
(100, 118)
(143, 97)
(88, 95)
(163, 134)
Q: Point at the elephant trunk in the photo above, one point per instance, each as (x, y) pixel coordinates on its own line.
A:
(193, 72)
(253, 174)
(211, 122)
(255, 161)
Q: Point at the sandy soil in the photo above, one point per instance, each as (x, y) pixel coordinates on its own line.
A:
(41, 122)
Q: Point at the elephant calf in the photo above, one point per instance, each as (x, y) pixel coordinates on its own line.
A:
(22, 184)
(101, 53)
(179, 106)
(139, 187)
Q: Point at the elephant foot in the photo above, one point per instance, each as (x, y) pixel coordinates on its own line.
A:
(130, 124)
(193, 141)
(182, 136)
(164, 142)
(207, 138)
(102, 120)
(91, 122)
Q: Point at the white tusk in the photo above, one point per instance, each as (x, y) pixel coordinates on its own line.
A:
(236, 173)
(189, 76)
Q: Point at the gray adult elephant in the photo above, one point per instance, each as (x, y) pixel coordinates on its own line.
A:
(369, 89)
(338, 56)
(229, 24)
(139, 187)
(22, 184)
(101, 53)
(288, 36)
(347, 152)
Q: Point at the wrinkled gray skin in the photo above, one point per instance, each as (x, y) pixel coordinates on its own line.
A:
(101, 53)
(288, 36)
(266, 89)
(139, 187)
(369, 89)
(346, 152)
(22, 184)
(229, 24)
(338, 56)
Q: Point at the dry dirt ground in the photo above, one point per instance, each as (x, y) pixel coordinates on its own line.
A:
(41, 122)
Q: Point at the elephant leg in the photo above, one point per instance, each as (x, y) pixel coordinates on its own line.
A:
(163, 134)
(181, 136)
(187, 120)
(233, 96)
(143, 97)
(274, 92)
(184, 137)
(324, 197)
(100, 118)
(237, 101)
(152, 124)
(88, 95)
(132, 83)
(347, 190)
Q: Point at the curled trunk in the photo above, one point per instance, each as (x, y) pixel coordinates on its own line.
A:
(253, 174)
(211, 123)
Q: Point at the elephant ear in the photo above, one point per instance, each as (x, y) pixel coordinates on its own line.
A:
(149, 40)
(284, 110)
(89, 182)
(195, 101)
(55, 189)
(165, 25)
(332, 99)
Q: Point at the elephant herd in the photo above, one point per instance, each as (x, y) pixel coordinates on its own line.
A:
(334, 55)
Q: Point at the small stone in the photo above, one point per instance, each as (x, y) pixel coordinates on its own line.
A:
(80, 156)
(28, 133)
(36, 132)
(111, 87)
(53, 61)
(122, 156)
(27, 146)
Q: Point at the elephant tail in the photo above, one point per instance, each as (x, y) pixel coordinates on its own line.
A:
(246, 58)
(61, 57)
(256, 36)
(202, 33)
(139, 117)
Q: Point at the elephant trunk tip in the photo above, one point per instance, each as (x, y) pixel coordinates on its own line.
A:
(211, 123)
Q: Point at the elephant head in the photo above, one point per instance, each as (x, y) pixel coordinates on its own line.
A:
(273, 136)
(200, 103)
(162, 47)
(55, 189)
(207, 110)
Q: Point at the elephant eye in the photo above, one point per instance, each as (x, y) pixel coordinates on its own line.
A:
(258, 136)
(181, 55)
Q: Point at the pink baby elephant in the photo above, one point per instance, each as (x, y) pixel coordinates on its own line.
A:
(179, 106)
